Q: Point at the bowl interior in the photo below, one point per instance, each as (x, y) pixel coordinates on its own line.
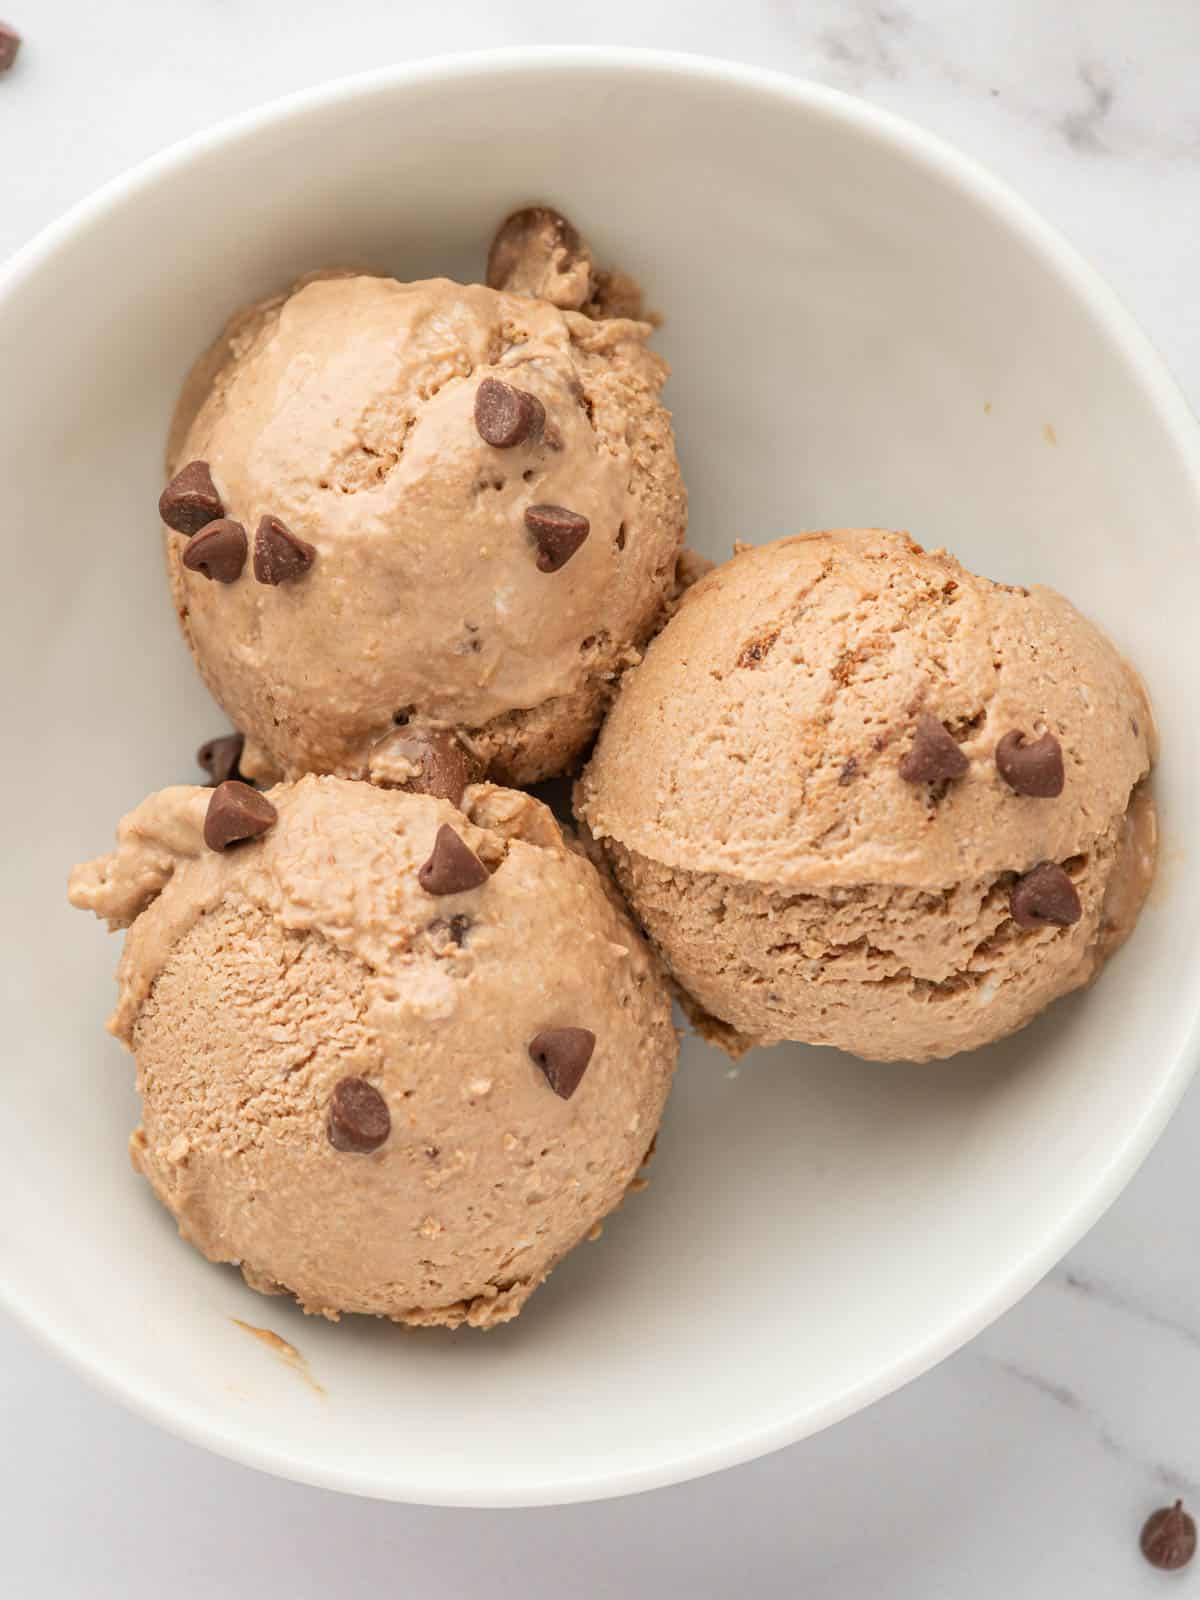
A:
(862, 331)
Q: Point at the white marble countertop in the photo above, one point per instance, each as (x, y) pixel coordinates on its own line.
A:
(1024, 1465)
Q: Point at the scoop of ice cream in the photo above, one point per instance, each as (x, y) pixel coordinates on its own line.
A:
(862, 797)
(424, 504)
(394, 1057)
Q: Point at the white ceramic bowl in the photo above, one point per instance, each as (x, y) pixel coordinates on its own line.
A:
(864, 329)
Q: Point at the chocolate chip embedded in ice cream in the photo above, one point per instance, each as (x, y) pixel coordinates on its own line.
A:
(1045, 896)
(1031, 769)
(537, 252)
(279, 556)
(934, 756)
(190, 501)
(219, 757)
(505, 416)
(217, 551)
(563, 1055)
(236, 812)
(359, 1120)
(558, 534)
(453, 868)
(425, 761)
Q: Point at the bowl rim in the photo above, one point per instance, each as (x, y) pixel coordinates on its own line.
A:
(973, 182)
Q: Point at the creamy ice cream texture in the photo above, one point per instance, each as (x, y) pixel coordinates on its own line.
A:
(425, 503)
(394, 1057)
(859, 796)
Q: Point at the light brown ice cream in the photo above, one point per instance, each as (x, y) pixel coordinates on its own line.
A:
(747, 788)
(254, 981)
(345, 409)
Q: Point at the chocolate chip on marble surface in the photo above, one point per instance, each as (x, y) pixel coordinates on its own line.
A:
(563, 1055)
(528, 244)
(934, 756)
(1031, 769)
(453, 867)
(10, 44)
(558, 534)
(445, 765)
(279, 556)
(1045, 896)
(218, 551)
(190, 501)
(505, 416)
(359, 1119)
(1168, 1539)
(236, 812)
(220, 757)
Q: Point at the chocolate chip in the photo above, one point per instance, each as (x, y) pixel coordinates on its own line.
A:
(10, 43)
(279, 556)
(530, 244)
(190, 501)
(1043, 896)
(220, 757)
(446, 766)
(453, 868)
(359, 1119)
(1031, 769)
(557, 532)
(506, 416)
(236, 812)
(218, 551)
(849, 772)
(444, 936)
(934, 756)
(563, 1055)
(1169, 1538)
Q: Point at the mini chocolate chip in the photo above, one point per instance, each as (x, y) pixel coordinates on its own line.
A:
(849, 772)
(453, 868)
(1031, 769)
(279, 556)
(557, 532)
(10, 43)
(190, 501)
(446, 765)
(563, 1055)
(1169, 1538)
(1045, 895)
(218, 551)
(220, 757)
(443, 934)
(529, 244)
(236, 812)
(934, 756)
(359, 1119)
(506, 416)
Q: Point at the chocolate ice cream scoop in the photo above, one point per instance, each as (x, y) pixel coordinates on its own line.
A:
(894, 807)
(366, 1099)
(384, 447)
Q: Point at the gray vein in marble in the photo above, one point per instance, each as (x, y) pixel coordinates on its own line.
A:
(864, 45)
(1063, 1396)
(1106, 1294)
(1066, 1397)
(1082, 128)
